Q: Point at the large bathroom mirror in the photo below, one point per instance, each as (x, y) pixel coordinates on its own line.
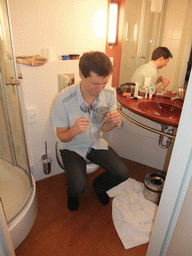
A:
(148, 24)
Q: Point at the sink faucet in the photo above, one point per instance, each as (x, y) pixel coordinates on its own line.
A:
(176, 97)
(179, 95)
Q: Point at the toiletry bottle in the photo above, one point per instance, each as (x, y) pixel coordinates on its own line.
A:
(146, 85)
(151, 91)
(136, 91)
(146, 91)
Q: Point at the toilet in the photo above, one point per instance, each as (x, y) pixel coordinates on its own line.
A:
(91, 167)
(153, 186)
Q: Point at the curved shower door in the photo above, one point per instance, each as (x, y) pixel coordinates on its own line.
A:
(12, 140)
(15, 175)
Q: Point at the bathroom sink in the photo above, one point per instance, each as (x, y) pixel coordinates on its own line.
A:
(161, 110)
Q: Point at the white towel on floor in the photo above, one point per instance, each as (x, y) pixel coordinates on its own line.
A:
(133, 215)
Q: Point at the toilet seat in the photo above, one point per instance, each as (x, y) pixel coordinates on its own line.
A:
(91, 167)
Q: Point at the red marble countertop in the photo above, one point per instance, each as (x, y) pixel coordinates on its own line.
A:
(158, 109)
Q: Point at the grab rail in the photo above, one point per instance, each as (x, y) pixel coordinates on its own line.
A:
(145, 126)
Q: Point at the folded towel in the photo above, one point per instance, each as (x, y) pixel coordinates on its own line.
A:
(133, 215)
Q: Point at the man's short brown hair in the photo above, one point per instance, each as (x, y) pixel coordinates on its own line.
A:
(97, 62)
(161, 52)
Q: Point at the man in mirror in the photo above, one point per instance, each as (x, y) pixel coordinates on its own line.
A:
(80, 113)
(160, 58)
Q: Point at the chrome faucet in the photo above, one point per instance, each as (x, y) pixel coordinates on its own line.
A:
(179, 95)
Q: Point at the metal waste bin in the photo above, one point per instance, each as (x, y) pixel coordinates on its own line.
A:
(153, 186)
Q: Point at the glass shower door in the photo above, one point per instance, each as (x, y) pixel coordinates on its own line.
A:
(12, 140)
(5, 147)
(15, 176)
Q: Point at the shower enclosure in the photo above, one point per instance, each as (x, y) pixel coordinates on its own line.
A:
(17, 185)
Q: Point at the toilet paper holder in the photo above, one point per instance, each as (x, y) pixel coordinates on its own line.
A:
(46, 161)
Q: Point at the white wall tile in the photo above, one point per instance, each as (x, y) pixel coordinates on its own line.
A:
(26, 15)
(64, 27)
(168, 33)
(65, 17)
(175, 44)
(177, 34)
(174, 21)
(84, 34)
(167, 42)
(48, 23)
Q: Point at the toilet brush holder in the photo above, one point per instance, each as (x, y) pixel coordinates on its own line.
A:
(46, 164)
(46, 161)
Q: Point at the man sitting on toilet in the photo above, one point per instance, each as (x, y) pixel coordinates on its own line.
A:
(80, 113)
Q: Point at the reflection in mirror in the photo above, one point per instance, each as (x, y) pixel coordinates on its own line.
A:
(146, 28)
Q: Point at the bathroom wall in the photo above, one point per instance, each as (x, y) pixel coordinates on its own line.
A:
(63, 27)
(176, 39)
(38, 88)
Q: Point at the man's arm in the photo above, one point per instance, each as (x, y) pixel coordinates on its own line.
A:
(160, 79)
(66, 134)
(165, 83)
(113, 119)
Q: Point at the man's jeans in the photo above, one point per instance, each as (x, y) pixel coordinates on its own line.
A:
(75, 167)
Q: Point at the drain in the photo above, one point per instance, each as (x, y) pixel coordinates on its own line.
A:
(172, 109)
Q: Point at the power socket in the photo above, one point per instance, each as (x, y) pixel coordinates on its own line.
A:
(31, 114)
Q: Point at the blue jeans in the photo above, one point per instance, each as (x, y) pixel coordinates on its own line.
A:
(75, 167)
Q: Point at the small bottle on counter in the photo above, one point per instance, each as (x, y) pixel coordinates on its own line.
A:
(151, 91)
(136, 91)
(147, 85)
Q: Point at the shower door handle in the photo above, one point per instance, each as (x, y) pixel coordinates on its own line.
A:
(13, 82)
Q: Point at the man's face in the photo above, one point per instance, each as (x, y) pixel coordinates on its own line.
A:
(94, 84)
(163, 62)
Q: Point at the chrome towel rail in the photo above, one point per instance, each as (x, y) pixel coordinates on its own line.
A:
(145, 126)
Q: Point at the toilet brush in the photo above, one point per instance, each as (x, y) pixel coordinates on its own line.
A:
(46, 161)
